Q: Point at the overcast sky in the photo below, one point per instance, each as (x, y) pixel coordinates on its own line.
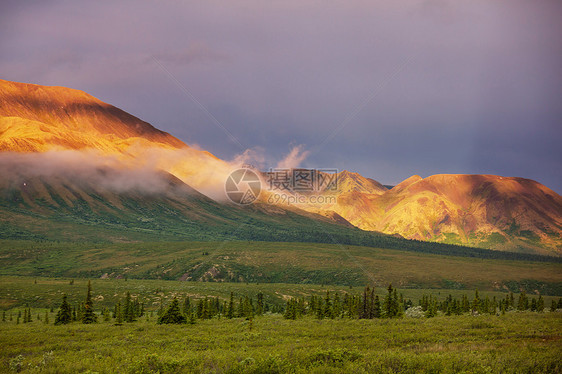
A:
(385, 88)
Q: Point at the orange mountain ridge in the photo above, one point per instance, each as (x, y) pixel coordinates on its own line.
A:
(482, 210)
(35, 118)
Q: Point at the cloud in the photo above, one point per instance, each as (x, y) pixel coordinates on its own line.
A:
(84, 168)
(294, 159)
(295, 70)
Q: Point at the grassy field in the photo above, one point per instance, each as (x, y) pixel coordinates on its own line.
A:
(35, 275)
(37, 292)
(268, 262)
(511, 343)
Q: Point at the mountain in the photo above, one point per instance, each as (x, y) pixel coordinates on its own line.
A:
(479, 210)
(36, 118)
(99, 203)
(73, 162)
(348, 182)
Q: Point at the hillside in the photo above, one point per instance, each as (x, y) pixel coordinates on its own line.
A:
(479, 210)
(36, 118)
(40, 119)
(45, 130)
(265, 262)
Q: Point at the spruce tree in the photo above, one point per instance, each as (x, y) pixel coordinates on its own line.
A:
(523, 302)
(187, 306)
(64, 315)
(230, 312)
(46, 317)
(540, 304)
(328, 306)
(336, 306)
(260, 304)
(553, 306)
(476, 307)
(387, 305)
(89, 316)
(118, 314)
(173, 314)
(377, 307)
(129, 309)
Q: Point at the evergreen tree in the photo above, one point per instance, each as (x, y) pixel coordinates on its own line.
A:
(476, 302)
(540, 304)
(465, 307)
(523, 302)
(397, 305)
(260, 304)
(365, 308)
(290, 309)
(173, 314)
(118, 314)
(319, 308)
(377, 307)
(129, 309)
(336, 306)
(533, 305)
(387, 304)
(230, 312)
(187, 306)
(553, 306)
(431, 308)
(89, 316)
(64, 315)
(46, 321)
(493, 306)
(3, 316)
(328, 306)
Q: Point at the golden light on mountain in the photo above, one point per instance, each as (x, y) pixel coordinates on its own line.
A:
(482, 210)
(36, 118)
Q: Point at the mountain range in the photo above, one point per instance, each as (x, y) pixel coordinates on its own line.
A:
(69, 160)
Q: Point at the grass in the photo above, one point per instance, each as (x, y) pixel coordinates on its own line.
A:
(16, 292)
(512, 343)
(268, 262)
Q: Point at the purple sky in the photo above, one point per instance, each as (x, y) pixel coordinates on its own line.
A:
(387, 89)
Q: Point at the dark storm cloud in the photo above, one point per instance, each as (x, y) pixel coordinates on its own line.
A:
(447, 86)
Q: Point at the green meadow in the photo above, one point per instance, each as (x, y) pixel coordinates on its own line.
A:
(34, 276)
(512, 343)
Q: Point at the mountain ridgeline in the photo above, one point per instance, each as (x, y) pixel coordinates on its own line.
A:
(75, 168)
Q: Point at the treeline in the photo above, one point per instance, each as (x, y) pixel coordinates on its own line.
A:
(452, 306)
(367, 305)
(393, 305)
(333, 305)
